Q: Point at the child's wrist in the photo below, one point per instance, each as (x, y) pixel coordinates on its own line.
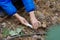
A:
(32, 15)
(17, 16)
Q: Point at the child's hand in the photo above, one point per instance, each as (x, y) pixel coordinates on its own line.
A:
(34, 21)
(21, 19)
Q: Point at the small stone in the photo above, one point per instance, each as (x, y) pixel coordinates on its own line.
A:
(44, 25)
(3, 24)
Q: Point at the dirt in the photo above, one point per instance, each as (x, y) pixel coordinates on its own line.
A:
(47, 12)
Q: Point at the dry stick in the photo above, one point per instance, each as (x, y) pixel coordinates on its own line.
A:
(28, 35)
(2, 19)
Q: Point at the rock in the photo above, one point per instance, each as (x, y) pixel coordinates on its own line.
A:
(3, 24)
(44, 25)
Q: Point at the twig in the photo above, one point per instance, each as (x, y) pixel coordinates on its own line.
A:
(2, 19)
(19, 36)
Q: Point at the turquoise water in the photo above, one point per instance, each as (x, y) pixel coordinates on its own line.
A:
(53, 33)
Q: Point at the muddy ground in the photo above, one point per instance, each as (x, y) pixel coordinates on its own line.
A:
(47, 12)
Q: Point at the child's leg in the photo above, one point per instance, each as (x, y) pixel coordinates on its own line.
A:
(8, 8)
(29, 5)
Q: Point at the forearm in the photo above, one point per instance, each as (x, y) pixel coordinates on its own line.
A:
(32, 15)
(17, 16)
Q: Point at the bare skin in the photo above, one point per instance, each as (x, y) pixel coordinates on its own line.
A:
(34, 21)
(21, 19)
